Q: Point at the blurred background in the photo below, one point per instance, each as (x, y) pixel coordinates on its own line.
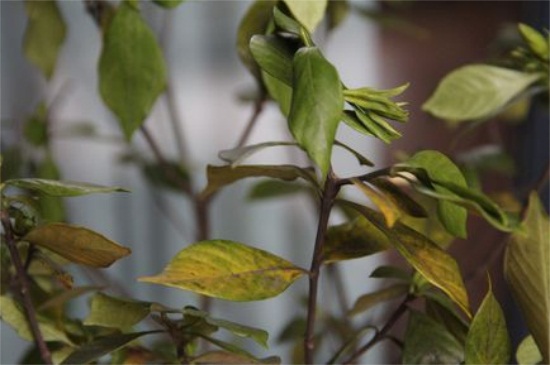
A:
(380, 45)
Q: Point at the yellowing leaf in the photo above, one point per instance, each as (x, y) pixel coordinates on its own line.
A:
(114, 312)
(527, 270)
(308, 13)
(62, 188)
(228, 270)
(389, 210)
(77, 244)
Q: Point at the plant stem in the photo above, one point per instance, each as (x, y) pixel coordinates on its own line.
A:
(24, 290)
(330, 191)
(380, 335)
(258, 107)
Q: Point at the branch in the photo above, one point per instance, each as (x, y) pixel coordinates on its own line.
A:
(24, 290)
(258, 107)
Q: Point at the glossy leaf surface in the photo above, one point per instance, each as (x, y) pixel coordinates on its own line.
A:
(527, 270)
(108, 311)
(77, 244)
(228, 270)
(62, 188)
(476, 92)
(274, 56)
(132, 73)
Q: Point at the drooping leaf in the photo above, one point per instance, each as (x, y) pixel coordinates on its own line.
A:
(369, 300)
(13, 315)
(391, 272)
(488, 341)
(236, 155)
(274, 56)
(256, 334)
(44, 35)
(62, 188)
(102, 346)
(224, 357)
(354, 239)
(275, 189)
(108, 311)
(358, 156)
(132, 72)
(308, 13)
(168, 4)
(535, 40)
(228, 270)
(528, 353)
(527, 270)
(441, 169)
(317, 104)
(476, 92)
(220, 176)
(77, 244)
(387, 208)
(255, 21)
(428, 342)
(399, 198)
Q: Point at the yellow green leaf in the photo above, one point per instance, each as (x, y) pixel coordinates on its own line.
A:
(308, 13)
(387, 207)
(108, 311)
(528, 353)
(228, 270)
(77, 244)
(369, 300)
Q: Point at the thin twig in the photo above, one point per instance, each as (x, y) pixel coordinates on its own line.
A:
(24, 290)
(258, 107)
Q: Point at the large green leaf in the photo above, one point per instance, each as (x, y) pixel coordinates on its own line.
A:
(220, 176)
(108, 311)
(62, 188)
(527, 270)
(488, 341)
(12, 314)
(132, 72)
(477, 92)
(317, 104)
(528, 353)
(274, 55)
(77, 244)
(441, 169)
(428, 342)
(369, 300)
(44, 35)
(308, 13)
(228, 270)
(255, 21)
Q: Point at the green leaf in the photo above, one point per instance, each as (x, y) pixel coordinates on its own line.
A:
(376, 125)
(256, 334)
(476, 92)
(51, 208)
(433, 263)
(220, 176)
(230, 347)
(401, 200)
(77, 244)
(352, 240)
(441, 169)
(62, 298)
(132, 72)
(317, 103)
(236, 155)
(36, 127)
(391, 272)
(386, 206)
(101, 347)
(62, 188)
(275, 189)
(527, 270)
(536, 41)
(223, 357)
(528, 353)
(280, 92)
(228, 270)
(255, 21)
(44, 35)
(308, 13)
(274, 56)
(369, 300)
(13, 315)
(428, 342)
(440, 308)
(108, 311)
(168, 4)
(287, 24)
(379, 101)
(488, 341)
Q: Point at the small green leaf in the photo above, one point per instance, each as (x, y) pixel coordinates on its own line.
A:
(236, 155)
(231, 348)
(477, 92)
(220, 176)
(391, 272)
(101, 347)
(168, 4)
(386, 206)
(62, 188)
(274, 56)
(77, 244)
(308, 13)
(536, 41)
(228, 270)
(132, 72)
(13, 315)
(369, 300)
(275, 189)
(44, 35)
(527, 270)
(528, 353)
(108, 311)
(286, 23)
(376, 125)
(317, 104)
(224, 357)
(428, 342)
(440, 308)
(280, 92)
(379, 101)
(51, 208)
(255, 21)
(488, 341)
